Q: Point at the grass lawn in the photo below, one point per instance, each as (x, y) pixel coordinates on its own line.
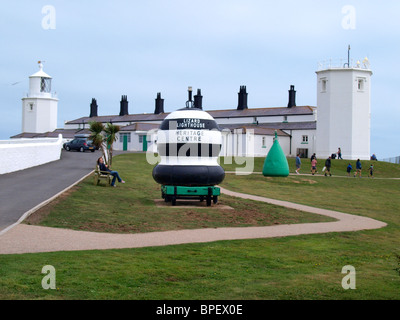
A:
(299, 267)
(130, 208)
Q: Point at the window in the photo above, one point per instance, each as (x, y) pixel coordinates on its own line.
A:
(30, 106)
(360, 84)
(140, 138)
(122, 135)
(304, 140)
(45, 85)
(323, 84)
(263, 145)
(285, 119)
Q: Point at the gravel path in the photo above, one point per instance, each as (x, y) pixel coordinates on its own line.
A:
(29, 239)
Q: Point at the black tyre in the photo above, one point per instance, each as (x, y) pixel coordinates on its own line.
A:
(173, 200)
(208, 201)
(81, 149)
(68, 148)
(215, 199)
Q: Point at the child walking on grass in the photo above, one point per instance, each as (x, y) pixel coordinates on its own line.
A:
(371, 171)
(349, 168)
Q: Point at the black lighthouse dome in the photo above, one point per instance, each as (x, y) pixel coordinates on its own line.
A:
(189, 142)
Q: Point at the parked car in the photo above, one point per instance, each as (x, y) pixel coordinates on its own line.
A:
(80, 144)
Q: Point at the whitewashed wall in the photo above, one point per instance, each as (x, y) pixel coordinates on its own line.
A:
(250, 145)
(19, 154)
(262, 151)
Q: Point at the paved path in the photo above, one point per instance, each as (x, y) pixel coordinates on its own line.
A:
(23, 190)
(29, 239)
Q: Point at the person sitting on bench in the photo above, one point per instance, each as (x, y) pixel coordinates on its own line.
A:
(105, 168)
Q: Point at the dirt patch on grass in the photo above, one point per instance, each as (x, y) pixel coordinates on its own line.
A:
(182, 203)
(305, 181)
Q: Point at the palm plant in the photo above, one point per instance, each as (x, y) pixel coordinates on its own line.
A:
(111, 131)
(97, 137)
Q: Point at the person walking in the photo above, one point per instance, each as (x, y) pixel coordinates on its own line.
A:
(313, 157)
(339, 154)
(313, 165)
(328, 167)
(371, 171)
(358, 168)
(349, 168)
(298, 163)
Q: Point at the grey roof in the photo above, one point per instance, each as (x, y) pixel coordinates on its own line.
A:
(262, 112)
(305, 125)
(66, 133)
(116, 118)
(230, 113)
(140, 126)
(257, 130)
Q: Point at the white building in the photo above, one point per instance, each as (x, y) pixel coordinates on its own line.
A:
(246, 131)
(343, 104)
(39, 107)
(344, 111)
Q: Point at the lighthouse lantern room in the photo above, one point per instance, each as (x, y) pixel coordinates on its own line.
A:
(39, 107)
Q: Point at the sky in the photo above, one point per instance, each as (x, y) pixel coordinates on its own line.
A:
(106, 49)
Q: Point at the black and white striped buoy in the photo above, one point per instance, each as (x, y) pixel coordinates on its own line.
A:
(189, 142)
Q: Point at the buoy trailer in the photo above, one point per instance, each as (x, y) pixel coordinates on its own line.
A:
(208, 193)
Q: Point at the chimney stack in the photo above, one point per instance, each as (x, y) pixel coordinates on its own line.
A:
(93, 108)
(242, 104)
(198, 100)
(124, 106)
(159, 104)
(292, 97)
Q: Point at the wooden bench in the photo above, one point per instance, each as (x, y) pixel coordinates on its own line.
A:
(99, 175)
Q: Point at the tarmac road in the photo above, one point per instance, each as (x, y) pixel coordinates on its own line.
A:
(23, 190)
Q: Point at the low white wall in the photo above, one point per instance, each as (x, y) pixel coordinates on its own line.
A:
(19, 154)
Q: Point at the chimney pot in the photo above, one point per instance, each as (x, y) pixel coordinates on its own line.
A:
(124, 106)
(159, 104)
(292, 97)
(198, 100)
(93, 108)
(242, 98)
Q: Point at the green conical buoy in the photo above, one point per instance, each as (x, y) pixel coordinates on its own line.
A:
(275, 164)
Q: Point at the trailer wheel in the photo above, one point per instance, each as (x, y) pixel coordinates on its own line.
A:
(173, 200)
(208, 201)
(215, 199)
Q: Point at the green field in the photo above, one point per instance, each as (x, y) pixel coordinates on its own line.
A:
(297, 267)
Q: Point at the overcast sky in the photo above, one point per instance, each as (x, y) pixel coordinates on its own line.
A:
(106, 49)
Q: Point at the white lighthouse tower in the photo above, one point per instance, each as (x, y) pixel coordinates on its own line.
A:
(39, 108)
(343, 110)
